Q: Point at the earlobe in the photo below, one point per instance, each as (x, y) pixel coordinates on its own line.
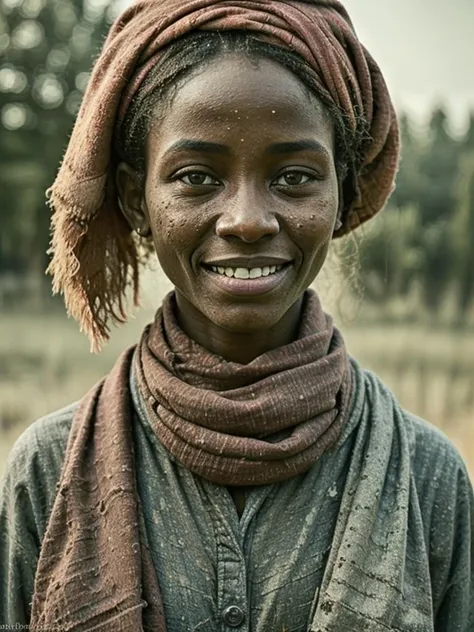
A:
(131, 199)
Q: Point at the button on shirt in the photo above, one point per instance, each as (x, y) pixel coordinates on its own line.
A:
(233, 616)
(219, 572)
(261, 572)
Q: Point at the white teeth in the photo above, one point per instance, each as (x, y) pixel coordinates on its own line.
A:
(246, 273)
(242, 273)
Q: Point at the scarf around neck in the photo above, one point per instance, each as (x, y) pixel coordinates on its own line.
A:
(221, 420)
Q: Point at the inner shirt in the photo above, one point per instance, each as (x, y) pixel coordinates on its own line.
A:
(218, 571)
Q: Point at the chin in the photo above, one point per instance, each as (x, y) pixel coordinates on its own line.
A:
(248, 319)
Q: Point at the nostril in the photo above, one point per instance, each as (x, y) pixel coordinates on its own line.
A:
(249, 227)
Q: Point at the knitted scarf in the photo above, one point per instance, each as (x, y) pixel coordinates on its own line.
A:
(218, 418)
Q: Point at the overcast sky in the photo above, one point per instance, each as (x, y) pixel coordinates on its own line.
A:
(424, 47)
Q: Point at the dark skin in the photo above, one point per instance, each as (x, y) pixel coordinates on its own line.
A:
(240, 171)
(258, 179)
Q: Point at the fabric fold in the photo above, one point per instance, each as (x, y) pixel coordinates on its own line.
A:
(95, 571)
(369, 569)
(219, 432)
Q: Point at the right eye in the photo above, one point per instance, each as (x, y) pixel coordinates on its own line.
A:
(199, 179)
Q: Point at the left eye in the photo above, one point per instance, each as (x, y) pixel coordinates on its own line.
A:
(293, 178)
(196, 178)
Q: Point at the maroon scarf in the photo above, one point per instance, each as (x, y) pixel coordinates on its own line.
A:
(215, 417)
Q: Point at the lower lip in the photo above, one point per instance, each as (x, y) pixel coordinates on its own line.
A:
(249, 287)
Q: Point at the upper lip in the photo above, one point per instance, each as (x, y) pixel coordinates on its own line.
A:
(259, 261)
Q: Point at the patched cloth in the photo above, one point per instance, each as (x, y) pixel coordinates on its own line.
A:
(94, 253)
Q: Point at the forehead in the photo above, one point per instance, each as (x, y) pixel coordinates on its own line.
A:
(234, 94)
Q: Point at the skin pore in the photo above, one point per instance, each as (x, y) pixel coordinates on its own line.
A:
(240, 174)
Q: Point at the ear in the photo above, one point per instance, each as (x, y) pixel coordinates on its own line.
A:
(340, 209)
(348, 194)
(131, 199)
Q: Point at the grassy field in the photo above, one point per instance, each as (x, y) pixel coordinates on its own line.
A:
(45, 364)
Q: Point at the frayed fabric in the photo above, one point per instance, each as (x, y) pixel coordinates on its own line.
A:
(94, 254)
(220, 420)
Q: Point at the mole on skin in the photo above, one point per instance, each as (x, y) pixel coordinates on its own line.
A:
(240, 171)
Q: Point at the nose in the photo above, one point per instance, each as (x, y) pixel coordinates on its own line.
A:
(249, 218)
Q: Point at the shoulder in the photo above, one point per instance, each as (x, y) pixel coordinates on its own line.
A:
(34, 465)
(439, 478)
(435, 458)
(443, 485)
(431, 451)
(43, 442)
(27, 494)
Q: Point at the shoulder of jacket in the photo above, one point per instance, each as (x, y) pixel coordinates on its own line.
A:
(39, 450)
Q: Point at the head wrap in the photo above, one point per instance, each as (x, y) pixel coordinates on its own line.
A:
(94, 253)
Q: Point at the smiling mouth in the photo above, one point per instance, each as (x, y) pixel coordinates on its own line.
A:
(244, 281)
(246, 273)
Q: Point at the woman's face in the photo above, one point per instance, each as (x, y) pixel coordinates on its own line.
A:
(241, 192)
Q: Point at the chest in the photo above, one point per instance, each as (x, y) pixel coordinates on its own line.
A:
(250, 560)
(239, 495)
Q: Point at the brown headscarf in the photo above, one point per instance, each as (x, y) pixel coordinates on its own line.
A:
(217, 418)
(94, 252)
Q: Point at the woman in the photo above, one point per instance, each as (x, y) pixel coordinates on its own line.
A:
(235, 470)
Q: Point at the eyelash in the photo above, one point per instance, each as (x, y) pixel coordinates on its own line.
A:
(200, 173)
(310, 178)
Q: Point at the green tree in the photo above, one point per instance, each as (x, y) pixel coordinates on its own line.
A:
(425, 243)
(409, 183)
(463, 236)
(468, 140)
(438, 168)
(46, 48)
(390, 258)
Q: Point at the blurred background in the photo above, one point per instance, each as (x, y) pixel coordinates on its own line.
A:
(402, 289)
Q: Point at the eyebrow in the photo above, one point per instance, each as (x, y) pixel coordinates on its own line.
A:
(295, 146)
(199, 146)
(223, 150)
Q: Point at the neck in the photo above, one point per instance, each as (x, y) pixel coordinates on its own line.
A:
(237, 346)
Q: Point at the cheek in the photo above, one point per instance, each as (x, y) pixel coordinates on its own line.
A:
(169, 227)
(316, 225)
